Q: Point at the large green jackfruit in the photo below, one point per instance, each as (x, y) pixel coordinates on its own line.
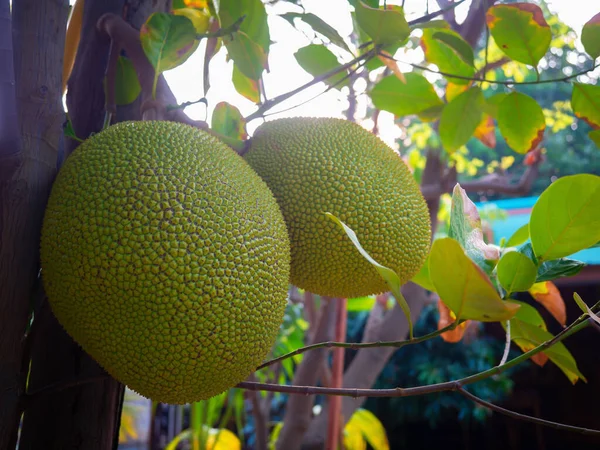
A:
(317, 165)
(166, 258)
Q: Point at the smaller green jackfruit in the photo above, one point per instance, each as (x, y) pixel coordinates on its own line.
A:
(319, 165)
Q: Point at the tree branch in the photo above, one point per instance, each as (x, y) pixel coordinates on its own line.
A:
(280, 98)
(448, 14)
(489, 183)
(526, 418)
(298, 411)
(575, 327)
(128, 38)
(486, 80)
(491, 66)
(377, 309)
(472, 26)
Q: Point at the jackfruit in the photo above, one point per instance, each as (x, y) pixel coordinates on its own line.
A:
(166, 258)
(319, 165)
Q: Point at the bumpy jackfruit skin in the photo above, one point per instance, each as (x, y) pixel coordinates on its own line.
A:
(323, 165)
(166, 258)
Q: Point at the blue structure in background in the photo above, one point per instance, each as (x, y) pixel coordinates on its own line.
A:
(519, 210)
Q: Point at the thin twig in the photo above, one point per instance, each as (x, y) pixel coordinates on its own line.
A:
(485, 80)
(280, 98)
(578, 325)
(526, 418)
(506, 345)
(349, 75)
(110, 78)
(594, 324)
(357, 345)
(433, 15)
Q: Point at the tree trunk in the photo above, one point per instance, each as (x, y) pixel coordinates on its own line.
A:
(38, 37)
(84, 416)
(368, 363)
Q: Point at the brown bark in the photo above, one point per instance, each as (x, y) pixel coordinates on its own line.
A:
(86, 416)
(38, 36)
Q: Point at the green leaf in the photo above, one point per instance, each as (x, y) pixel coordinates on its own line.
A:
(275, 435)
(360, 304)
(595, 137)
(585, 308)
(516, 272)
(371, 428)
(463, 286)
(69, 131)
(181, 437)
(320, 26)
(437, 24)
(384, 26)
(127, 85)
(521, 122)
(492, 104)
(431, 114)
(245, 86)
(401, 99)
(200, 18)
(254, 25)
(168, 40)
(228, 121)
(529, 314)
(248, 56)
(465, 228)
(520, 31)
(317, 60)
(566, 217)
(563, 267)
(422, 277)
(527, 250)
(390, 277)
(519, 236)
(590, 36)
(450, 52)
(528, 336)
(585, 102)
(460, 118)
(455, 41)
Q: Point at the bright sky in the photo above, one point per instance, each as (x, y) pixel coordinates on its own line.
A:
(286, 74)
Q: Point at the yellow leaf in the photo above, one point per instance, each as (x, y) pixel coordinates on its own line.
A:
(389, 61)
(222, 439)
(485, 131)
(446, 318)
(549, 297)
(353, 438)
(370, 427)
(453, 90)
(199, 18)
